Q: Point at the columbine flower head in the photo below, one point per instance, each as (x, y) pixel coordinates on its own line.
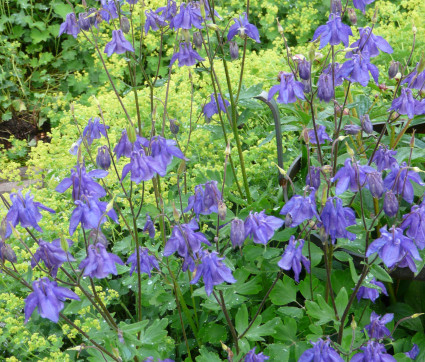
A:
(52, 254)
(333, 33)
(119, 44)
(70, 26)
(211, 108)
(99, 263)
(103, 159)
(383, 158)
(142, 167)
(352, 129)
(358, 68)
(371, 293)
(299, 208)
(292, 258)
(94, 130)
(189, 16)
(406, 104)
(168, 12)
(212, 270)
(85, 21)
(109, 10)
(321, 134)
(244, 29)
(370, 44)
(376, 328)
(186, 55)
(237, 232)
(206, 198)
(350, 177)
(124, 147)
(361, 4)
(185, 240)
(375, 184)
(304, 69)
(24, 211)
(414, 222)
(413, 353)
(147, 261)
(390, 204)
(260, 227)
(149, 226)
(75, 147)
(49, 298)
(367, 125)
(415, 80)
(153, 21)
(400, 181)
(313, 177)
(392, 247)
(325, 88)
(7, 253)
(336, 219)
(321, 352)
(373, 352)
(252, 357)
(163, 150)
(289, 89)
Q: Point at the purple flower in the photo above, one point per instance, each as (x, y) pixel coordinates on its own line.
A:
(237, 233)
(153, 21)
(188, 17)
(358, 68)
(49, 298)
(151, 359)
(185, 240)
(371, 293)
(383, 158)
(186, 55)
(252, 357)
(376, 328)
(211, 108)
(24, 211)
(350, 177)
(361, 4)
(163, 150)
(333, 33)
(289, 89)
(321, 134)
(313, 177)
(85, 21)
(390, 204)
(149, 226)
(321, 352)
(168, 12)
(292, 258)
(70, 26)
(415, 80)
(299, 208)
(142, 167)
(304, 69)
(119, 44)
(367, 124)
(336, 219)
(212, 270)
(75, 147)
(375, 184)
(373, 352)
(244, 29)
(103, 159)
(94, 130)
(338, 78)
(370, 43)
(109, 10)
(52, 254)
(325, 89)
(99, 263)
(260, 227)
(6, 252)
(352, 129)
(406, 104)
(205, 200)
(124, 147)
(414, 222)
(400, 181)
(413, 353)
(392, 247)
(147, 262)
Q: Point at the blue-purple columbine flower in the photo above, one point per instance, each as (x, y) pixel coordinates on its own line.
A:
(383, 158)
(52, 254)
(6, 252)
(153, 21)
(367, 125)
(151, 359)
(361, 4)
(373, 352)
(415, 80)
(370, 43)
(149, 226)
(400, 181)
(414, 222)
(390, 204)
(392, 247)
(313, 177)
(260, 227)
(375, 184)
(336, 219)
(103, 158)
(186, 55)
(211, 108)
(85, 21)
(185, 240)
(75, 147)
(168, 12)
(325, 88)
(352, 178)
(189, 16)
(289, 89)
(352, 129)
(99, 263)
(371, 293)
(406, 104)
(212, 270)
(109, 10)
(357, 69)
(94, 130)
(147, 261)
(321, 352)
(119, 44)
(163, 150)
(333, 33)
(70, 26)
(413, 353)
(142, 167)
(299, 208)
(24, 211)
(251, 356)
(376, 329)
(321, 134)
(49, 298)
(292, 258)
(206, 198)
(82, 183)
(124, 147)
(304, 69)
(237, 233)
(244, 29)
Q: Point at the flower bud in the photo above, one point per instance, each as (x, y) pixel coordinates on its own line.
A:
(383, 87)
(313, 177)
(64, 244)
(7, 253)
(279, 27)
(131, 134)
(234, 50)
(307, 85)
(393, 70)
(412, 140)
(352, 16)
(304, 69)
(96, 236)
(222, 210)
(228, 150)
(174, 126)
(103, 159)
(3, 227)
(214, 27)
(237, 232)
(125, 25)
(182, 167)
(421, 65)
(186, 35)
(336, 7)
(390, 204)
(349, 150)
(352, 129)
(367, 124)
(375, 184)
(312, 52)
(197, 40)
(84, 3)
(203, 13)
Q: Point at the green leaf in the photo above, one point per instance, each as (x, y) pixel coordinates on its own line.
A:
(257, 331)
(133, 328)
(277, 352)
(322, 311)
(207, 356)
(38, 36)
(241, 321)
(380, 273)
(341, 301)
(353, 271)
(284, 292)
(293, 312)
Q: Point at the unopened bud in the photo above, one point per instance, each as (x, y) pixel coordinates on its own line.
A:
(7, 253)
(352, 129)
(131, 134)
(222, 210)
(125, 25)
(416, 169)
(110, 205)
(103, 158)
(304, 69)
(412, 140)
(182, 167)
(84, 4)
(176, 214)
(421, 65)
(353, 324)
(281, 170)
(186, 35)
(174, 126)
(416, 315)
(237, 232)
(390, 204)
(327, 169)
(288, 220)
(414, 29)
(203, 13)
(336, 7)
(197, 40)
(352, 16)
(367, 124)
(307, 85)
(397, 76)
(213, 26)
(234, 50)
(279, 27)
(393, 70)
(312, 52)
(341, 138)
(375, 16)
(64, 244)
(375, 183)
(349, 150)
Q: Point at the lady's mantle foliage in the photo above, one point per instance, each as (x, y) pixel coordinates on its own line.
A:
(99, 263)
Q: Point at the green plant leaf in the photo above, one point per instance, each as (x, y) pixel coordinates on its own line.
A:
(341, 301)
(241, 320)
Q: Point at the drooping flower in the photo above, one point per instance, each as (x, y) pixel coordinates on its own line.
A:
(392, 247)
(289, 89)
(400, 181)
(186, 55)
(109, 10)
(414, 223)
(153, 21)
(390, 204)
(212, 270)
(252, 357)
(406, 104)
(415, 80)
(96, 236)
(375, 184)
(376, 328)
(99, 263)
(244, 29)
(237, 232)
(147, 261)
(383, 158)
(357, 69)
(7, 253)
(371, 293)
(367, 124)
(299, 208)
(211, 108)
(52, 254)
(119, 44)
(103, 159)
(350, 177)
(260, 227)
(292, 258)
(352, 129)
(189, 16)
(75, 147)
(163, 150)
(168, 12)
(70, 26)
(333, 33)
(205, 200)
(304, 69)
(124, 147)
(321, 134)
(373, 351)
(94, 130)
(413, 353)
(142, 167)
(24, 211)
(336, 219)
(361, 4)
(370, 44)
(313, 177)
(86, 19)
(149, 226)
(321, 352)
(49, 298)
(325, 89)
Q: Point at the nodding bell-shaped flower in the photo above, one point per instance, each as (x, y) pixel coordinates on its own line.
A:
(299, 208)
(352, 129)
(186, 55)
(321, 351)
(237, 233)
(304, 69)
(142, 167)
(292, 258)
(383, 158)
(260, 227)
(109, 10)
(390, 204)
(251, 356)
(367, 126)
(168, 12)
(325, 89)
(119, 44)
(371, 293)
(313, 177)
(147, 261)
(70, 26)
(163, 150)
(94, 130)
(99, 263)
(189, 16)
(336, 219)
(357, 69)
(289, 89)
(351, 177)
(415, 80)
(149, 226)
(321, 134)
(244, 29)
(233, 50)
(370, 43)
(153, 21)
(375, 184)
(361, 4)
(333, 33)
(376, 329)
(103, 159)
(211, 108)
(85, 21)
(124, 147)
(414, 222)
(373, 351)
(406, 104)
